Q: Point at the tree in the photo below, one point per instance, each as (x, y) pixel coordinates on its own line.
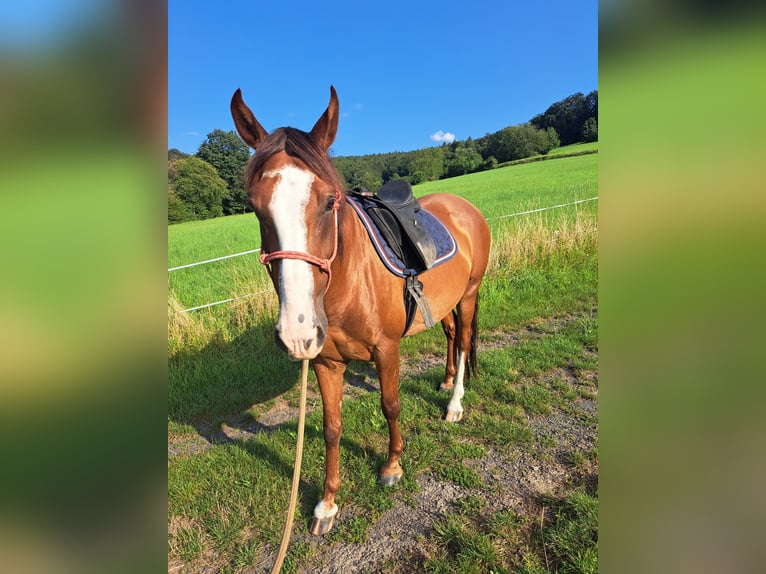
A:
(489, 163)
(177, 210)
(516, 142)
(228, 155)
(394, 166)
(568, 116)
(174, 154)
(553, 138)
(198, 186)
(461, 159)
(590, 130)
(591, 102)
(429, 161)
(368, 181)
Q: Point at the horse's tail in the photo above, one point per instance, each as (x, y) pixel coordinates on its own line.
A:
(472, 361)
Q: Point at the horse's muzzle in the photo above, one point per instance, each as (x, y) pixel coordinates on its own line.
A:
(302, 347)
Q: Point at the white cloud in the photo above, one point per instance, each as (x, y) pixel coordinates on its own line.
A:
(191, 133)
(442, 136)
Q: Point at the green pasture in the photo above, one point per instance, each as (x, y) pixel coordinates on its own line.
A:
(574, 148)
(198, 240)
(518, 188)
(229, 479)
(499, 192)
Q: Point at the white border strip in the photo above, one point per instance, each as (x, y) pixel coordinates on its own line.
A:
(543, 208)
(256, 250)
(215, 259)
(488, 219)
(225, 301)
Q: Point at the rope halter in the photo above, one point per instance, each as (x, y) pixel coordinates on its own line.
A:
(323, 264)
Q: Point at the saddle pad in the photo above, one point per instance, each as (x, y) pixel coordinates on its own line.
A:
(446, 246)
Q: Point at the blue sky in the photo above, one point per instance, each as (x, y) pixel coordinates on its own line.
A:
(405, 72)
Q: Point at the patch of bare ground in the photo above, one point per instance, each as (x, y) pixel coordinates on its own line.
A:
(559, 457)
(514, 478)
(186, 445)
(399, 536)
(489, 340)
(359, 379)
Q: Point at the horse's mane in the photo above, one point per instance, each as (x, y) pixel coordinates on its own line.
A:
(300, 145)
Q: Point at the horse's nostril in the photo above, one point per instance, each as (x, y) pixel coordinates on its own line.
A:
(320, 335)
(307, 344)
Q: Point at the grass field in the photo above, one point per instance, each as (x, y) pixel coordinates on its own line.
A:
(533, 407)
(495, 193)
(574, 148)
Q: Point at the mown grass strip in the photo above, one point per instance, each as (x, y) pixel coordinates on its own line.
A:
(547, 157)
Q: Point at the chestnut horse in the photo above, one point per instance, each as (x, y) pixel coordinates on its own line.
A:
(337, 301)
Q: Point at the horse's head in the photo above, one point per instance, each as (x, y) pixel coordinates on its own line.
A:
(295, 191)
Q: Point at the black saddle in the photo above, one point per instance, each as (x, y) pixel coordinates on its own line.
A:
(394, 212)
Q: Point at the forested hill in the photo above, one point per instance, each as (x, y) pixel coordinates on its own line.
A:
(209, 183)
(572, 120)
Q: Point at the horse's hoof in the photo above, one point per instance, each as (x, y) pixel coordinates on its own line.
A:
(390, 479)
(454, 416)
(318, 526)
(446, 386)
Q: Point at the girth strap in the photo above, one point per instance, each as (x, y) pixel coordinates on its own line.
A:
(414, 298)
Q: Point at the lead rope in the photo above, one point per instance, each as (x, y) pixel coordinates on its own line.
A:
(296, 471)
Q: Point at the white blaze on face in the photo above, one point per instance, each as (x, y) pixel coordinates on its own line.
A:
(296, 280)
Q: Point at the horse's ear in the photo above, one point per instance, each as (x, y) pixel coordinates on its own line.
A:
(248, 127)
(327, 126)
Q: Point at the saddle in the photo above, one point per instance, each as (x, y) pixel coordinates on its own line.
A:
(394, 212)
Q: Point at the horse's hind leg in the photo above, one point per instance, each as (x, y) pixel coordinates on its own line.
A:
(387, 364)
(466, 309)
(448, 325)
(455, 408)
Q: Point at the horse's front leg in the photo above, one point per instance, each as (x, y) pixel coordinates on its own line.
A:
(387, 364)
(330, 378)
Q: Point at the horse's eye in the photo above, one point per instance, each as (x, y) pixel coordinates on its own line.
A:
(330, 203)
